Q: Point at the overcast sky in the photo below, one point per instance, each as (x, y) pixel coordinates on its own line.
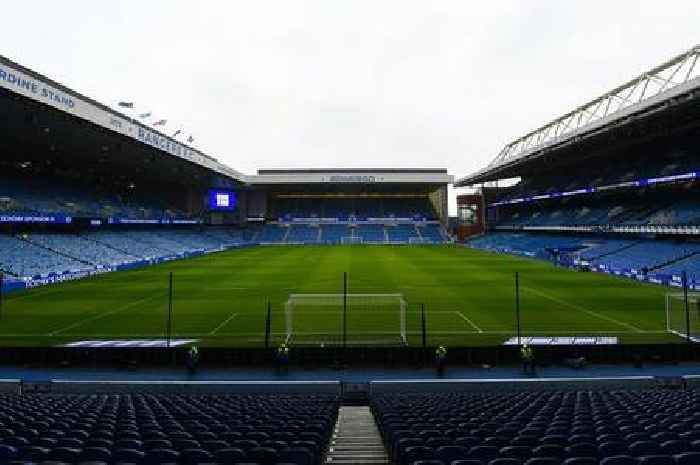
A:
(333, 83)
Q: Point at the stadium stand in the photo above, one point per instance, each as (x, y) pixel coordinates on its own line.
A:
(540, 428)
(303, 234)
(613, 195)
(334, 233)
(80, 248)
(272, 233)
(158, 428)
(664, 162)
(402, 233)
(36, 195)
(353, 207)
(37, 254)
(22, 258)
(431, 233)
(642, 256)
(371, 233)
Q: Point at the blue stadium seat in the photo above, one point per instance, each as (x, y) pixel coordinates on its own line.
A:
(542, 461)
(619, 460)
(656, 460)
(449, 454)
(505, 461)
(580, 461)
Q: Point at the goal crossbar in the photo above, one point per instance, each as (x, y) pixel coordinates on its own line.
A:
(354, 318)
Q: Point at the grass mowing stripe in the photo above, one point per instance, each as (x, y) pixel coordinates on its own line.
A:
(584, 310)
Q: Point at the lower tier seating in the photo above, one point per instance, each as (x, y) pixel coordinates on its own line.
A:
(651, 427)
(35, 254)
(160, 429)
(641, 255)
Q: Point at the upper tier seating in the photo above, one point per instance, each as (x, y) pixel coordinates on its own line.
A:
(558, 215)
(541, 428)
(160, 429)
(337, 233)
(360, 208)
(37, 196)
(610, 173)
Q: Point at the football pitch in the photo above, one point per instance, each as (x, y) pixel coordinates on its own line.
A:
(221, 300)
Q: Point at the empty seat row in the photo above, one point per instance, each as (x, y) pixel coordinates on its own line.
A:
(154, 429)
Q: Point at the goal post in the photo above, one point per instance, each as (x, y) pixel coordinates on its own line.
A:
(682, 322)
(354, 319)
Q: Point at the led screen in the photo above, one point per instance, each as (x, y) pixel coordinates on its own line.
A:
(222, 200)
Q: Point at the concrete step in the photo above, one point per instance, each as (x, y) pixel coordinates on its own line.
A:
(345, 446)
(356, 439)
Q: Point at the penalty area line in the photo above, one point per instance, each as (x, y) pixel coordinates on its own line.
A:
(584, 310)
(102, 315)
(223, 323)
(473, 325)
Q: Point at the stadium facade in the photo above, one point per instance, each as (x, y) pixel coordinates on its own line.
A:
(611, 186)
(85, 189)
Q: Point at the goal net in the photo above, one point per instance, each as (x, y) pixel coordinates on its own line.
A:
(678, 320)
(351, 319)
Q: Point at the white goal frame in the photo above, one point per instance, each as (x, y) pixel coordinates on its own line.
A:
(676, 317)
(348, 301)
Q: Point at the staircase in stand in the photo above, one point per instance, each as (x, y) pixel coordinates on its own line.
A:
(356, 439)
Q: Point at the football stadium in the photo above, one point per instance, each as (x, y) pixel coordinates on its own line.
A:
(104, 250)
(158, 306)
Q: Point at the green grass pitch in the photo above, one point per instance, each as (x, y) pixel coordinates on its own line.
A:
(220, 299)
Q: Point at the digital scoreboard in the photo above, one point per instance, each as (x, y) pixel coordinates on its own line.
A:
(222, 201)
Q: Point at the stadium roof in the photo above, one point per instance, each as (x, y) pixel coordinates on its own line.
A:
(352, 176)
(676, 80)
(32, 85)
(25, 83)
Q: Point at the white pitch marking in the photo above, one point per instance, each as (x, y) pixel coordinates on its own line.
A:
(584, 310)
(102, 315)
(242, 334)
(233, 315)
(462, 316)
